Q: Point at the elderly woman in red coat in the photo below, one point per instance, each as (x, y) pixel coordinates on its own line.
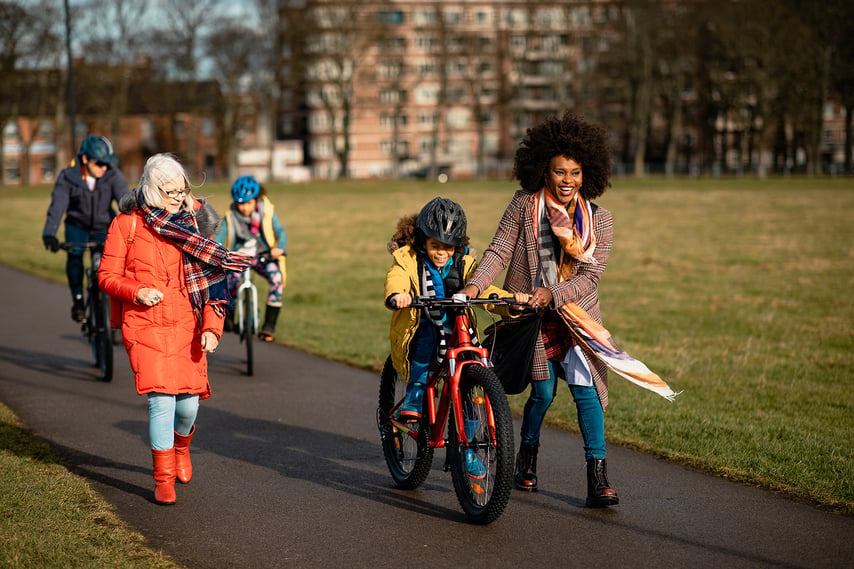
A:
(554, 243)
(166, 280)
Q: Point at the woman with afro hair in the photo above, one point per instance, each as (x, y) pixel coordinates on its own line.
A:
(554, 243)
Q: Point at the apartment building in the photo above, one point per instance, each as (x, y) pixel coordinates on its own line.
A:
(391, 87)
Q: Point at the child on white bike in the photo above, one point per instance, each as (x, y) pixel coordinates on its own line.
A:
(252, 218)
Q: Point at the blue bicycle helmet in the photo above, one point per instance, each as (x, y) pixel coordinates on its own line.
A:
(98, 148)
(244, 189)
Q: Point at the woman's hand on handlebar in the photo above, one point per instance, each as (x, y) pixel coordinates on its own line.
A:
(540, 298)
(276, 252)
(401, 300)
(470, 291)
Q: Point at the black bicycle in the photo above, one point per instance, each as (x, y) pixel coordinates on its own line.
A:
(96, 324)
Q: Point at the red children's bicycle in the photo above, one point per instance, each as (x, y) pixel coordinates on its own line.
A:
(464, 410)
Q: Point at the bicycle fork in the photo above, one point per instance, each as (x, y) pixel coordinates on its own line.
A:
(241, 307)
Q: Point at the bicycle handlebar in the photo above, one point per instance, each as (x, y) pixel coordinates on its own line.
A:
(429, 301)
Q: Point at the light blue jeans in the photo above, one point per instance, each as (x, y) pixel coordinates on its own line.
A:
(591, 419)
(168, 414)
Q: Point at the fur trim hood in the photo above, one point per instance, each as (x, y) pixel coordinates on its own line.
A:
(404, 233)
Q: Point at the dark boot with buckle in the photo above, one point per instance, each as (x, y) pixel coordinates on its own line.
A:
(526, 467)
(599, 492)
(271, 316)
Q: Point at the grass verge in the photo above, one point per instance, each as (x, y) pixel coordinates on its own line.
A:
(39, 497)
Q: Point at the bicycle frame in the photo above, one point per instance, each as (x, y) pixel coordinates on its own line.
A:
(450, 372)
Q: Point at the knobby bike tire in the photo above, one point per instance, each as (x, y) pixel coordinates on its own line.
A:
(409, 459)
(483, 496)
(103, 337)
(248, 329)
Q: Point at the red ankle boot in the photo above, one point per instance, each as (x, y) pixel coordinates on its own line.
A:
(164, 476)
(183, 466)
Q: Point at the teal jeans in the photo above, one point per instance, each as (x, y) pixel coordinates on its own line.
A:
(591, 419)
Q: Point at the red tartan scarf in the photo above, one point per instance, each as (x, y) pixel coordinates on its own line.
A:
(205, 261)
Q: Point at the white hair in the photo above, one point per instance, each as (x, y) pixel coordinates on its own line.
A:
(159, 170)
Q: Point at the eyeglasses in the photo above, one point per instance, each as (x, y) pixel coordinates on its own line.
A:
(176, 194)
(101, 164)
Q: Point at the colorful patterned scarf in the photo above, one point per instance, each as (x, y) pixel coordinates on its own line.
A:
(205, 261)
(574, 229)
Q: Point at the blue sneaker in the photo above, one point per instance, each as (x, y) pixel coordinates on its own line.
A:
(474, 466)
(411, 408)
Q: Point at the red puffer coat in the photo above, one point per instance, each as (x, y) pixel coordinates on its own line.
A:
(163, 341)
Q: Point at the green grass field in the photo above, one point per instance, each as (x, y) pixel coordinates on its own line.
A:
(736, 291)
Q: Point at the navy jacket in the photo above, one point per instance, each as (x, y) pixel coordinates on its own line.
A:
(90, 210)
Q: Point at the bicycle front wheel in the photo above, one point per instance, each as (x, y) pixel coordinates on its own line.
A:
(102, 336)
(249, 311)
(482, 470)
(408, 455)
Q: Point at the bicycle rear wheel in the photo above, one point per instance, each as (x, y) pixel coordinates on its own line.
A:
(408, 456)
(101, 335)
(483, 477)
(249, 310)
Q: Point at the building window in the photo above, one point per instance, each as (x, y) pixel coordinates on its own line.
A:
(427, 94)
(425, 17)
(426, 43)
(13, 169)
(48, 167)
(390, 17)
(390, 70)
(11, 129)
(146, 131)
(208, 127)
(453, 17)
(46, 130)
(392, 96)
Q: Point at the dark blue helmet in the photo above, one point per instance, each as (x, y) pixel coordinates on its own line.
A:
(444, 220)
(244, 189)
(98, 148)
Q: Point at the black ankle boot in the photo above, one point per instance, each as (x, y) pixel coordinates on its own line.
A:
(526, 467)
(271, 315)
(599, 492)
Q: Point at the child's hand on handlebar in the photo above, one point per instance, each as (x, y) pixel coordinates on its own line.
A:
(401, 300)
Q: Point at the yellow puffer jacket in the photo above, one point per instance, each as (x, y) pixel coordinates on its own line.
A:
(403, 277)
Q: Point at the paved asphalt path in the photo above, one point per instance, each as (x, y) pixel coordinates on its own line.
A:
(289, 473)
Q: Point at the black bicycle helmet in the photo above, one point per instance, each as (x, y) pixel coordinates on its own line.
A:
(98, 148)
(444, 220)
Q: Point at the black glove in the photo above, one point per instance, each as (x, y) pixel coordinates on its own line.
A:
(50, 242)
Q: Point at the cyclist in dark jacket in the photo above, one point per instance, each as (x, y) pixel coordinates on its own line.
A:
(84, 192)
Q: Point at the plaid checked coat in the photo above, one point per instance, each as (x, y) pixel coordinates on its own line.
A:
(514, 247)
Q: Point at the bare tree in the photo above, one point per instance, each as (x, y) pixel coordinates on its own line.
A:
(234, 53)
(29, 48)
(340, 36)
(113, 34)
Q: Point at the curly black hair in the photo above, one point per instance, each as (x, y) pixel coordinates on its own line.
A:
(569, 136)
